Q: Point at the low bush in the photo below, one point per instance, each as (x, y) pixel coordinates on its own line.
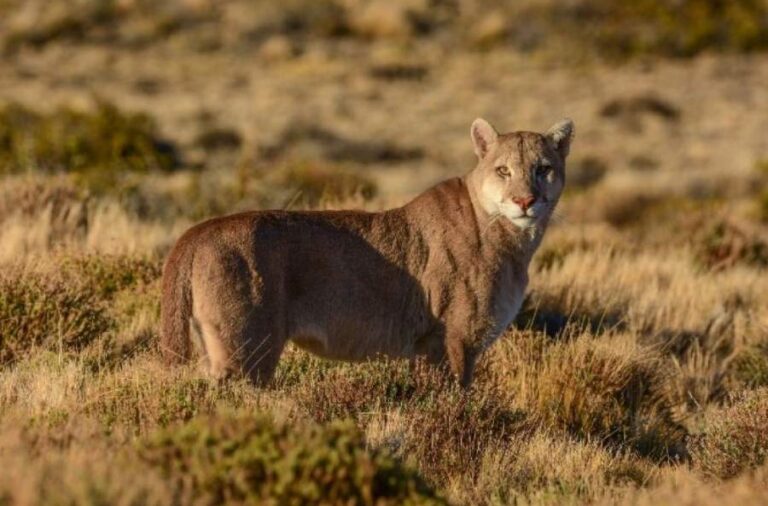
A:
(735, 438)
(52, 312)
(108, 274)
(454, 429)
(97, 146)
(326, 391)
(142, 405)
(66, 308)
(253, 460)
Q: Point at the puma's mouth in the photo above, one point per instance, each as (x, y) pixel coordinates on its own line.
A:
(522, 219)
(524, 222)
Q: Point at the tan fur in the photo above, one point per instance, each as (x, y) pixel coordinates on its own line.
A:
(442, 276)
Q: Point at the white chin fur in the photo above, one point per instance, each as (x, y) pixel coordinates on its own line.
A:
(518, 218)
(523, 222)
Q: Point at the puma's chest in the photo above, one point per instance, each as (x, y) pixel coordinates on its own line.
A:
(507, 298)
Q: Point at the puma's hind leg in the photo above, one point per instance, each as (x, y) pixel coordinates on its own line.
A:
(240, 341)
(238, 330)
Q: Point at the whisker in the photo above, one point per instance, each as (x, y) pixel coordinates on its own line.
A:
(494, 218)
(558, 217)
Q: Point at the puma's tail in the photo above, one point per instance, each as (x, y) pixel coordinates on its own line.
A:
(176, 306)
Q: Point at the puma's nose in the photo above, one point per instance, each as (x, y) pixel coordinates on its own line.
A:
(524, 202)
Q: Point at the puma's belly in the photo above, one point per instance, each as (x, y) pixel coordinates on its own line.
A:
(351, 340)
(311, 338)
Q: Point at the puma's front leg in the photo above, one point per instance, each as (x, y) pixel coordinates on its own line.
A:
(462, 356)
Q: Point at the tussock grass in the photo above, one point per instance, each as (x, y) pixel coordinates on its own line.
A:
(608, 389)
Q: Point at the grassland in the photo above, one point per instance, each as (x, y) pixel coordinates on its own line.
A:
(637, 372)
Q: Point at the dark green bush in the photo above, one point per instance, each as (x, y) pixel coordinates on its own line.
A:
(96, 146)
(251, 459)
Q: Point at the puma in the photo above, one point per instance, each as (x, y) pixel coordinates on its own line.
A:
(441, 277)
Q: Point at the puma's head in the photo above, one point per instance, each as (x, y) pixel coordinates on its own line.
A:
(520, 175)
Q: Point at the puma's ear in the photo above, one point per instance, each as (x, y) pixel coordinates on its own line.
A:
(561, 135)
(483, 136)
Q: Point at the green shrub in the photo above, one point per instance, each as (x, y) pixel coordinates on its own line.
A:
(53, 312)
(735, 437)
(96, 146)
(69, 308)
(108, 274)
(253, 460)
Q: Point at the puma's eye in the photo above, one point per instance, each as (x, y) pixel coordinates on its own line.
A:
(502, 170)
